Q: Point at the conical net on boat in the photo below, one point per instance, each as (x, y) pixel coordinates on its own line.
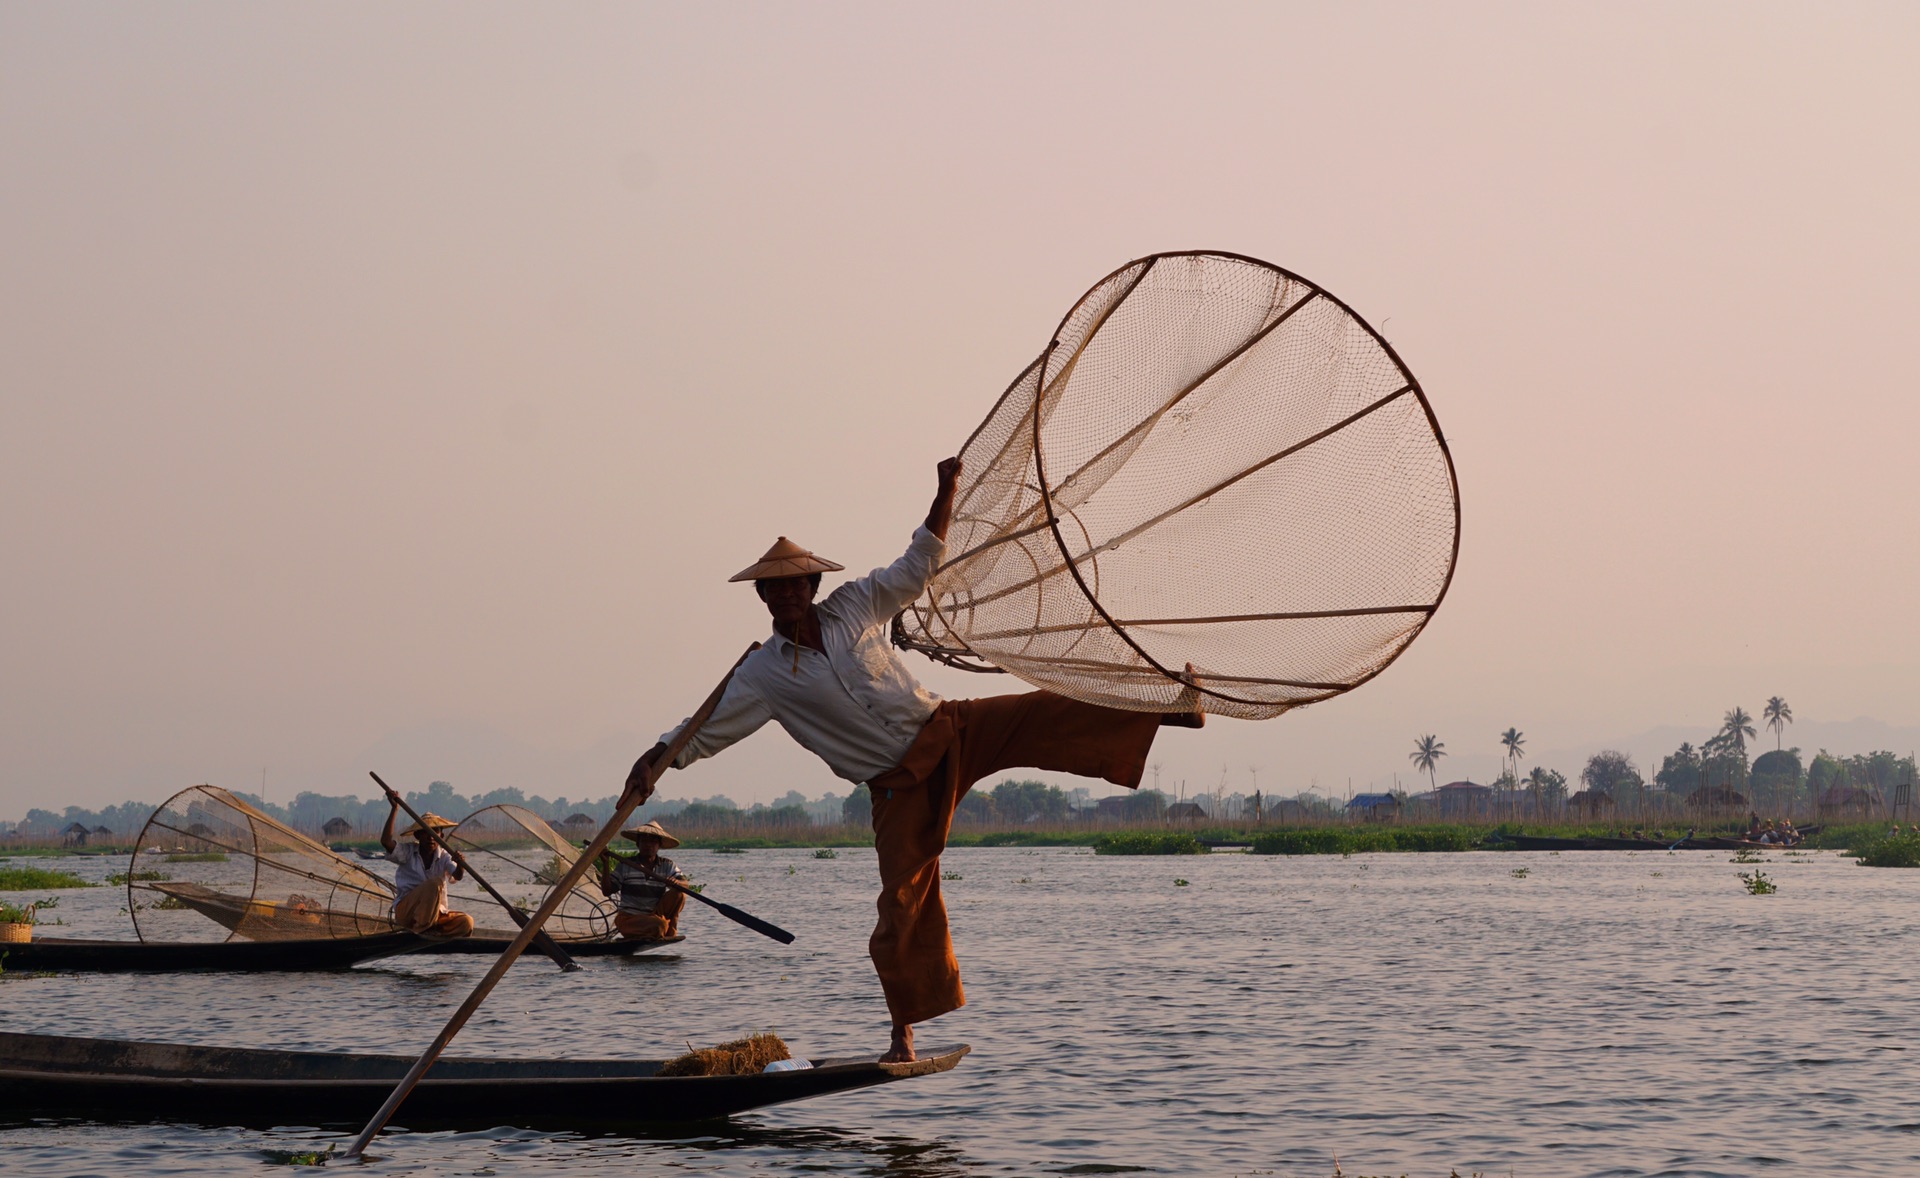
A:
(1215, 462)
(523, 858)
(208, 866)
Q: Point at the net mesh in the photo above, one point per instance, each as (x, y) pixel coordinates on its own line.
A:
(1214, 463)
(210, 867)
(523, 858)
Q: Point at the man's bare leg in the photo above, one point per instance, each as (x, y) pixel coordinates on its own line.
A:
(901, 1050)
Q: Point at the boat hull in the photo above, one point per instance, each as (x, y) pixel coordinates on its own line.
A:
(114, 1080)
(493, 945)
(319, 953)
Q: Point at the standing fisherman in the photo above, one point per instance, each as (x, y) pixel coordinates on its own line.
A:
(830, 678)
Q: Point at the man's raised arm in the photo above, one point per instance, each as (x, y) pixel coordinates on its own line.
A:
(890, 589)
(940, 515)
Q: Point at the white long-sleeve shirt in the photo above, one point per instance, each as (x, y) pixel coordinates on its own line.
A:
(854, 706)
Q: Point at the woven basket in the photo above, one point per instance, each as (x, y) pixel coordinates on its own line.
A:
(16, 933)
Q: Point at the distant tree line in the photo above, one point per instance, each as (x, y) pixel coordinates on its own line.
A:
(309, 811)
(1010, 802)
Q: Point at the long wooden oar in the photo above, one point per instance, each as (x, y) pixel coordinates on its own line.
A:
(546, 943)
(629, 802)
(764, 928)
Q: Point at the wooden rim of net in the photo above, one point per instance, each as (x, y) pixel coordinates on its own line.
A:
(1215, 462)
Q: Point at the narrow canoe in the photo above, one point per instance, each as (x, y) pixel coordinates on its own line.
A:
(241, 956)
(62, 953)
(492, 942)
(117, 1080)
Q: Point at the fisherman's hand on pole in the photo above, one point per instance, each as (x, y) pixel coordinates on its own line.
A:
(644, 774)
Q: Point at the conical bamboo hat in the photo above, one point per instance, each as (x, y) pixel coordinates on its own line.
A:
(786, 559)
(431, 819)
(653, 830)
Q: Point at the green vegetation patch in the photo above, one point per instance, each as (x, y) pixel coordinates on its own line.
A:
(33, 879)
(298, 1157)
(198, 857)
(1901, 850)
(120, 878)
(1142, 842)
(1360, 839)
(1026, 838)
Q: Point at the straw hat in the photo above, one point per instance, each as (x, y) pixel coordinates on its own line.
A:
(431, 819)
(653, 829)
(786, 559)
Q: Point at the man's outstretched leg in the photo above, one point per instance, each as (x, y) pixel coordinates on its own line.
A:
(913, 805)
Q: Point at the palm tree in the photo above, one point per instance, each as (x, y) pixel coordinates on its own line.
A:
(1778, 716)
(1513, 738)
(1736, 728)
(1426, 754)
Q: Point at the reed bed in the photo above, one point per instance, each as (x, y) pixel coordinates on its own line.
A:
(35, 879)
(1356, 840)
(1142, 842)
(1901, 850)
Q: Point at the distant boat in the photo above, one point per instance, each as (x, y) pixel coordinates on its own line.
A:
(120, 1080)
(272, 922)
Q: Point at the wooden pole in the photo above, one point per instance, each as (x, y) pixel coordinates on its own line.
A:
(629, 802)
(546, 943)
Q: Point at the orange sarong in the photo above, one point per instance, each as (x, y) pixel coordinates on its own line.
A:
(663, 921)
(913, 804)
(423, 910)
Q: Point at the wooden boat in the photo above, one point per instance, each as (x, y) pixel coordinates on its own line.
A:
(268, 921)
(117, 1080)
(493, 941)
(62, 953)
(242, 956)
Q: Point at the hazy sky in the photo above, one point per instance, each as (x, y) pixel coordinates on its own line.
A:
(395, 386)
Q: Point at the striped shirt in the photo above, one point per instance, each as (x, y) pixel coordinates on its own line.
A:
(641, 891)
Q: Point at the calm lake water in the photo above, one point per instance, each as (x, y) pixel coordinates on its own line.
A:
(1600, 1014)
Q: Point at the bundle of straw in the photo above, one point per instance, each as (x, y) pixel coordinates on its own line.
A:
(737, 1058)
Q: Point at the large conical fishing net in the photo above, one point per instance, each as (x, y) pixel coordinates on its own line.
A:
(1215, 462)
(208, 866)
(523, 858)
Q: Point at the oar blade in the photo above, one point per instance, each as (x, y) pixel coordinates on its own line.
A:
(755, 923)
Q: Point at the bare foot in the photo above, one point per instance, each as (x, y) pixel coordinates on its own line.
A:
(901, 1050)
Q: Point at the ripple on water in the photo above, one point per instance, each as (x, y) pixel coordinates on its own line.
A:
(1407, 1014)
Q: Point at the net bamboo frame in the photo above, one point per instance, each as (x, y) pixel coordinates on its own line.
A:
(271, 882)
(1214, 463)
(523, 858)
